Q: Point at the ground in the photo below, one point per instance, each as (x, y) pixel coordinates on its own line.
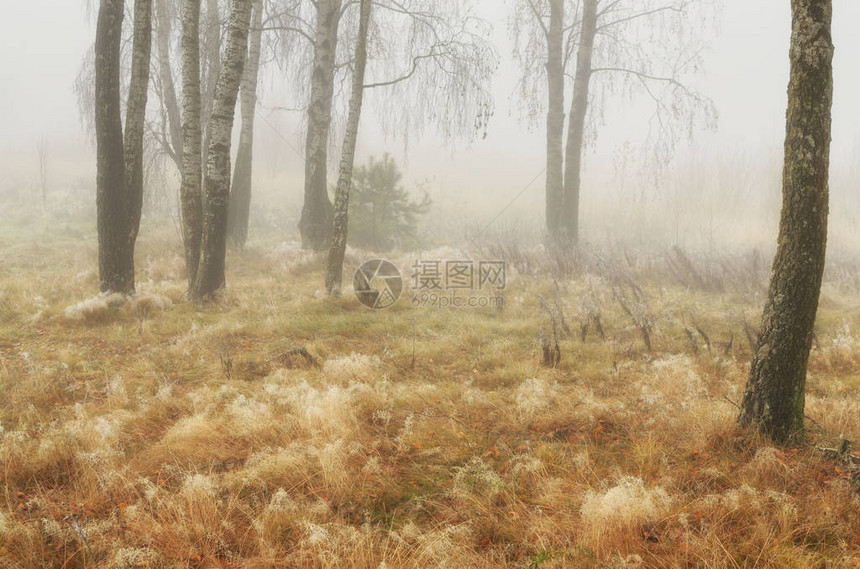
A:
(156, 433)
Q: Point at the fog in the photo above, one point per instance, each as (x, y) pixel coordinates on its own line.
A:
(440, 368)
(722, 185)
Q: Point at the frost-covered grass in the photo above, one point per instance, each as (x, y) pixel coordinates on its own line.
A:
(149, 432)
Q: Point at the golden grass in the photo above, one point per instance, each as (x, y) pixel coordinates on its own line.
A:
(155, 433)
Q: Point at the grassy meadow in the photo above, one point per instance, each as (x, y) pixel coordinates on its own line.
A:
(281, 428)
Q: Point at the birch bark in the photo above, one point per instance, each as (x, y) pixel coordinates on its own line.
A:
(119, 178)
(555, 119)
(210, 275)
(337, 250)
(240, 193)
(190, 190)
(316, 219)
(576, 128)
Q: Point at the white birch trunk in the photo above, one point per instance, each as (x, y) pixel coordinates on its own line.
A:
(337, 250)
(192, 169)
(315, 222)
(240, 193)
(576, 129)
(555, 118)
(135, 116)
(211, 270)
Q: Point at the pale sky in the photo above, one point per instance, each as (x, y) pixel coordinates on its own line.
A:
(42, 44)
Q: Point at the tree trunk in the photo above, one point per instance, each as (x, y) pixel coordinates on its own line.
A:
(135, 118)
(316, 220)
(334, 271)
(211, 60)
(192, 169)
(210, 272)
(168, 89)
(240, 193)
(774, 398)
(211, 54)
(555, 119)
(576, 129)
(119, 182)
(116, 271)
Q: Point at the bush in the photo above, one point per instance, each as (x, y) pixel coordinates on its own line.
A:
(382, 214)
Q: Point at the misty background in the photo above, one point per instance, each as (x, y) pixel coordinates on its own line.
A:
(722, 187)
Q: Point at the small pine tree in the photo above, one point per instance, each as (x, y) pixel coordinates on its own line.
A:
(382, 214)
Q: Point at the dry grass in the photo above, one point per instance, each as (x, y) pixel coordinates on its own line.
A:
(153, 433)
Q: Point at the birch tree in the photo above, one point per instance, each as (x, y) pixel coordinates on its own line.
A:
(210, 274)
(775, 394)
(568, 224)
(316, 218)
(169, 130)
(607, 47)
(432, 68)
(190, 190)
(211, 46)
(240, 192)
(337, 250)
(119, 179)
(430, 65)
(164, 124)
(555, 115)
